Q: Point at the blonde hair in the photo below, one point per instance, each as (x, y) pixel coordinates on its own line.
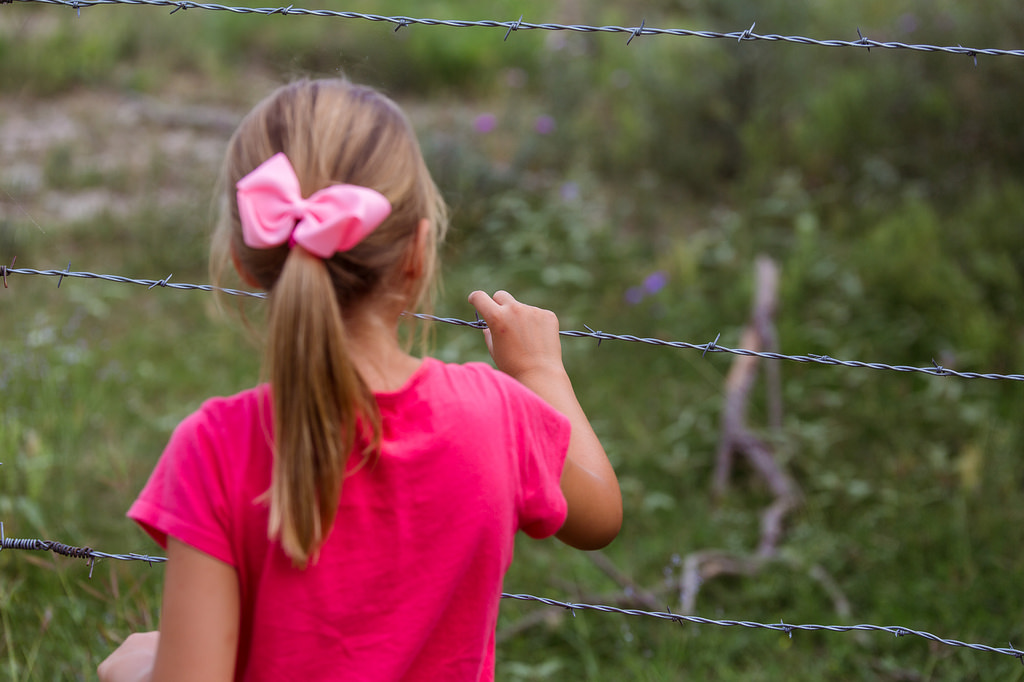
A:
(333, 132)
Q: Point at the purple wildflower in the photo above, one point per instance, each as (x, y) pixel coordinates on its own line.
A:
(655, 282)
(485, 123)
(544, 125)
(634, 295)
(569, 191)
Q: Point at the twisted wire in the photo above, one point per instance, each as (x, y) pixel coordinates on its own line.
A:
(92, 555)
(164, 283)
(74, 552)
(778, 627)
(935, 370)
(713, 347)
(520, 25)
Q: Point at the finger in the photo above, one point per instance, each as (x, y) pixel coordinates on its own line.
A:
(489, 341)
(480, 299)
(484, 304)
(502, 297)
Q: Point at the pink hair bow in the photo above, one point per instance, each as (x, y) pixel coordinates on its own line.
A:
(273, 211)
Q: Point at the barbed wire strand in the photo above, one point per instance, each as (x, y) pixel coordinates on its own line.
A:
(92, 555)
(519, 25)
(935, 370)
(778, 627)
(87, 553)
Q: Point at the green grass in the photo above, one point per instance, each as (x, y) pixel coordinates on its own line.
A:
(911, 485)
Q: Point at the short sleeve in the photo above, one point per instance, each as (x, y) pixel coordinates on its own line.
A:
(542, 434)
(185, 496)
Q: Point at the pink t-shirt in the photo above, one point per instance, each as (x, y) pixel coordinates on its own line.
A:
(408, 581)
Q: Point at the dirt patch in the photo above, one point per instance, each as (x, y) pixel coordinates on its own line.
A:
(74, 157)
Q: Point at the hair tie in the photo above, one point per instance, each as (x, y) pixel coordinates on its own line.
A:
(273, 211)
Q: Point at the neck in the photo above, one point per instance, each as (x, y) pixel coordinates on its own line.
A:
(373, 345)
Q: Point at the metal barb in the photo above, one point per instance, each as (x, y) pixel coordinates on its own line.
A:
(746, 35)
(597, 335)
(4, 269)
(401, 24)
(162, 282)
(971, 53)
(785, 628)
(179, 6)
(61, 278)
(711, 346)
(863, 40)
(637, 31)
(513, 27)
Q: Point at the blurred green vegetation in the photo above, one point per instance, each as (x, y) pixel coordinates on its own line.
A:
(887, 186)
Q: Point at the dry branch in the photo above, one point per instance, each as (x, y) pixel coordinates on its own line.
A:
(631, 591)
(736, 436)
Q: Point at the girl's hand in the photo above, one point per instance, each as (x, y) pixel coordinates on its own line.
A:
(524, 343)
(521, 338)
(132, 661)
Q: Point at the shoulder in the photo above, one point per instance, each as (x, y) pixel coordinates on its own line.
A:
(246, 402)
(249, 405)
(483, 389)
(224, 428)
(225, 442)
(476, 386)
(197, 485)
(474, 376)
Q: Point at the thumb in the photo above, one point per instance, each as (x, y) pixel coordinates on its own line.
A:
(484, 304)
(489, 342)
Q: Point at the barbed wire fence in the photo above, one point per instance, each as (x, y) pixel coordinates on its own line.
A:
(519, 24)
(509, 27)
(92, 556)
(935, 370)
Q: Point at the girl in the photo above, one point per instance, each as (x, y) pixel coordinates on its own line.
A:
(353, 519)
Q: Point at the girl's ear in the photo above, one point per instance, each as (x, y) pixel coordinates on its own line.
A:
(242, 272)
(415, 258)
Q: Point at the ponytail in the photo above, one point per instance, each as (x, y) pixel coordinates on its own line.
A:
(332, 132)
(321, 405)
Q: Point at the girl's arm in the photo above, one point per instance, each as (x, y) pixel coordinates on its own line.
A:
(524, 343)
(198, 637)
(199, 618)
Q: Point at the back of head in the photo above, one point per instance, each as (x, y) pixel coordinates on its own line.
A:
(333, 132)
